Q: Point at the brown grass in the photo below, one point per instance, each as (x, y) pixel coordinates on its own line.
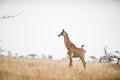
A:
(31, 69)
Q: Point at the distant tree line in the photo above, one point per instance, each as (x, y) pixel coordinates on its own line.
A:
(107, 57)
(31, 55)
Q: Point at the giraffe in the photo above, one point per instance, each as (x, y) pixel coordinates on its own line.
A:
(73, 51)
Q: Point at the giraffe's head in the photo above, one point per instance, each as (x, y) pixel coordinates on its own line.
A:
(62, 33)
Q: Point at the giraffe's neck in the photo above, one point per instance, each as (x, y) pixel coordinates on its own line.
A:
(67, 41)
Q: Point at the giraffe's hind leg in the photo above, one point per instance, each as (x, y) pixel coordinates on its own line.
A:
(83, 61)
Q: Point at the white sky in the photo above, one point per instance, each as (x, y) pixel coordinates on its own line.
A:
(93, 23)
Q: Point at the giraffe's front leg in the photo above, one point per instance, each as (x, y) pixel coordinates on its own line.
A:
(71, 62)
(70, 57)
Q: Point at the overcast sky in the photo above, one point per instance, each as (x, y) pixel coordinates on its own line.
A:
(93, 23)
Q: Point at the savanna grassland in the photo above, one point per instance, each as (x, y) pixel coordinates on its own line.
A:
(37, 69)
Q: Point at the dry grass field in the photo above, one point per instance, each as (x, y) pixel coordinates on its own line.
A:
(37, 69)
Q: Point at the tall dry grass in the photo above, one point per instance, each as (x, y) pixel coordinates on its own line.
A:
(31, 69)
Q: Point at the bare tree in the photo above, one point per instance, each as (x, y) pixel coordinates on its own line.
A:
(110, 56)
(116, 56)
(9, 16)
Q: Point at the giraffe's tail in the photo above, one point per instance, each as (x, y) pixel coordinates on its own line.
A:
(82, 46)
